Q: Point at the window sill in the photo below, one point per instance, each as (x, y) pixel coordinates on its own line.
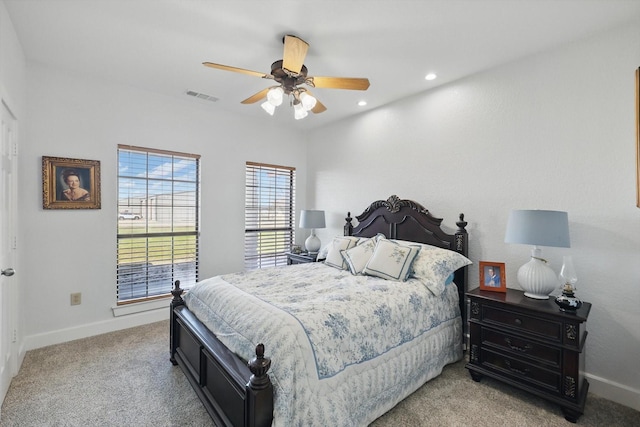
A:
(139, 307)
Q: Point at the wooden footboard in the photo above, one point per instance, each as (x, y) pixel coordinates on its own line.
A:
(233, 392)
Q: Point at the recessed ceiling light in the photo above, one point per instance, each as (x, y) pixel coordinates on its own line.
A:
(430, 76)
(362, 103)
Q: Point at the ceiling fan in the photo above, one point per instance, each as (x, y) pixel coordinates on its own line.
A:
(291, 75)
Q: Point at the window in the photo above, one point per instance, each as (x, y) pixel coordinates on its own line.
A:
(269, 214)
(158, 222)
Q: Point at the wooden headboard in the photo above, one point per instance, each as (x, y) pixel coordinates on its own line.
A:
(408, 220)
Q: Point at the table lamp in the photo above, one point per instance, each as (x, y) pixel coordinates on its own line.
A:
(312, 219)
(538, 228)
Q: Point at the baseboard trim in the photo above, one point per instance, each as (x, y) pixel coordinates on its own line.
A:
(614, 391)
(84, 331)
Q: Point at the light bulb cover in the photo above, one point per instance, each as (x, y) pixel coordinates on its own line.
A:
(300, 113)
(308, 101)
(275, 96)
(268, 107)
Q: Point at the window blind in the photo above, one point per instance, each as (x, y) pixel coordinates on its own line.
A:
(269, 214)
(158, 222)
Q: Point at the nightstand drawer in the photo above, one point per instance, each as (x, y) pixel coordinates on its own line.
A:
(520, 322)
(522, 347)
(522, 371)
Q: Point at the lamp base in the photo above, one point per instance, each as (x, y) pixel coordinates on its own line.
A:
(536, 296)
(536, 278)
(312, 244)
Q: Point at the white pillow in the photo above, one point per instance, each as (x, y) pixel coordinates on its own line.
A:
(358, 256)
(391, 260)
(334, 257)
(434, 265)
(322, 254)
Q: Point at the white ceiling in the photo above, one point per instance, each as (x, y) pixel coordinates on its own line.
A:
(159, 45)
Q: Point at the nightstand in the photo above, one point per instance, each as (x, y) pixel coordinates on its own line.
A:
(300, 258)
(530, 344)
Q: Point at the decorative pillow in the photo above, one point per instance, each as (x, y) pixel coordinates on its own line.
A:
(434, 266)
(391, 260)
(334, 257)
(374, 238)
(358, 256)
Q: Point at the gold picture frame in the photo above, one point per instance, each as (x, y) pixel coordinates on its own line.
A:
(638, 137)
(70, 183)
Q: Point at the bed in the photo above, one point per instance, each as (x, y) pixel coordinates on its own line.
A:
(344, 347)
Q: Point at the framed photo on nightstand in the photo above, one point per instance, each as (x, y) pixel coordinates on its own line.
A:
(492, 276)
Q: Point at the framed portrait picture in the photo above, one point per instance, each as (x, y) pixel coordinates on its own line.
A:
(492, 276)
(70, 183)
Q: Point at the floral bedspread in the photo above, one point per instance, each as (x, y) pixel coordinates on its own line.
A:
(327, 331)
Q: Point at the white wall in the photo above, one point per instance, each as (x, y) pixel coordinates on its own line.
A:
(553, 131)
(12, 66)
(75, 250)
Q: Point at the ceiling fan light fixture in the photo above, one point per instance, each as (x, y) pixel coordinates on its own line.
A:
(268, 107)
(275, 96)
(308, 101)
(289, 73)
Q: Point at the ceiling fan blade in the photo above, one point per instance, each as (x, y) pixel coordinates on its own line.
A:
(295, 50)
(352, 83)
(319, 108)
(256, 97)
(236, 70)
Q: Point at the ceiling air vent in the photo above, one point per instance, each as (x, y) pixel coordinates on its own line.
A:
(202, 96)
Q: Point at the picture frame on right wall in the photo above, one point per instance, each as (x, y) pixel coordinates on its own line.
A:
(492, 276)
(638, 137)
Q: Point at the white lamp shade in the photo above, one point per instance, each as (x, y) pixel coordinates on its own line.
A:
(312, 219)
(539, 228)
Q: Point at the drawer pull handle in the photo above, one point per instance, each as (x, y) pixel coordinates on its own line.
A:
(518, 322)
(524, 372)
(524, 349)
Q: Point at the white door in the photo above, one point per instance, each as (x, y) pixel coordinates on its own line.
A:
(8, 310)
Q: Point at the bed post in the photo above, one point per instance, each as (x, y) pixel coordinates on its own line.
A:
(462, 276)
(348, 227)
(462, 240)
(175, 302)
(259, 391)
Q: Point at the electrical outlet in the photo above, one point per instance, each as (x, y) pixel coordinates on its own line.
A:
(76, 298)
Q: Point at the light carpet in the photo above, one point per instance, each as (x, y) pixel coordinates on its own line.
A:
(124, 378)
